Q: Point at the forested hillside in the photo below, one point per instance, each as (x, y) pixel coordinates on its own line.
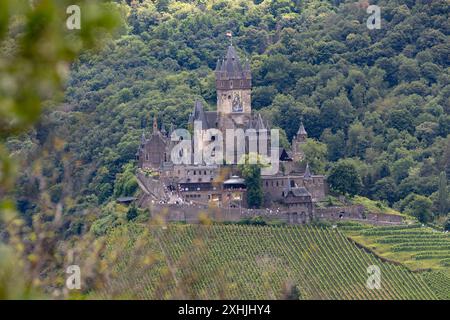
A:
(376, 100)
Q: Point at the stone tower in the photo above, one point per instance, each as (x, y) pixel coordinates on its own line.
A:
(233, 85)
(297, 141)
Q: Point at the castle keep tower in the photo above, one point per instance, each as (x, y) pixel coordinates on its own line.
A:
(233, 84)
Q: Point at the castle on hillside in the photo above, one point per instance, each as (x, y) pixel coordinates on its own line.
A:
(293, 187)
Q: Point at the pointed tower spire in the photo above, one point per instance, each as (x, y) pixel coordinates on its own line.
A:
(218, 65)
(198, 114)
(301, 130)
(259, 123)
(143, 138)
(307, 174)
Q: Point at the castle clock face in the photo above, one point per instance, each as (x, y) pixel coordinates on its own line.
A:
(236, 104)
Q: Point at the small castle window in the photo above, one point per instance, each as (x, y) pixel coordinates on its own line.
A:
(195, 172)
(231, 84)
(204, 172)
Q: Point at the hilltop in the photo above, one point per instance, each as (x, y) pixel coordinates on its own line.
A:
(377, 100)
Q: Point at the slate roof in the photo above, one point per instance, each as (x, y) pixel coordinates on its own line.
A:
(231, 67)
(301, 130)
(297, 192)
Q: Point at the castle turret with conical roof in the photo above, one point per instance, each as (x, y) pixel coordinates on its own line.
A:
(307, 174)
(198, 114)
(297, 141)
(302, 135)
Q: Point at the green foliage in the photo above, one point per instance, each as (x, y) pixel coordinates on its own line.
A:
(36, 50)
(420, 207)
(43, 77)
(112, 215)
(344, 179)
(132, 213)
(252, 175)
(443, 194)
(447, 224)
(254, 187)
(126, 183)
(254, 221)
(315, 155)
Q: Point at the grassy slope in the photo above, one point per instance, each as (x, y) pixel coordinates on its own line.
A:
(208, 262)
(376, 206)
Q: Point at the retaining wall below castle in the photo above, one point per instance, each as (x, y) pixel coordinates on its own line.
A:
(194, 213)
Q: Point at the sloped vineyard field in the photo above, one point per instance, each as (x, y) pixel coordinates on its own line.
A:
(415, 246)
(254, 262)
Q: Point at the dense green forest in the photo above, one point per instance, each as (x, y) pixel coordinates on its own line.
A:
(377, 101)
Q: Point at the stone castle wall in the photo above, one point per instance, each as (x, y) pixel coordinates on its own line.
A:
(193, 214)
(273, 186)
